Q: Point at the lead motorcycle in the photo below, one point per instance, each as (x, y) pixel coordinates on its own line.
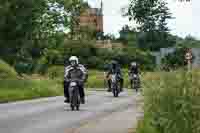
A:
(74, 95)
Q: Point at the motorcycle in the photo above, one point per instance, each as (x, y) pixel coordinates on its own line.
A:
(115, 85)
(74, 95)
(135, 82)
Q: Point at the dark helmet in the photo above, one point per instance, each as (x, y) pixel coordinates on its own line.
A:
(114, 64)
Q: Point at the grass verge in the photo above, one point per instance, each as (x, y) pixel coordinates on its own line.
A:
(13, 90)
(171, 103)
(36, 86)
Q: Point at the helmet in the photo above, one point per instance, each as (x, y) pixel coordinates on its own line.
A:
(133, 64)
(73, 60)
(114, 64)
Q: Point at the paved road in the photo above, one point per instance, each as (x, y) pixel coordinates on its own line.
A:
(101, 114)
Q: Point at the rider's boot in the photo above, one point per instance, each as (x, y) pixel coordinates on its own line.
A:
(82, 100)
(109, 90)
(109, 86)
(121, 87)
(66, 100)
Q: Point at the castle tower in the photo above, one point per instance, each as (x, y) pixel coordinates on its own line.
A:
(93, 17)
(102, 7)
(100, 18)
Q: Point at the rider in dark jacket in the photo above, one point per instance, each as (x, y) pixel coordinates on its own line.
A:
(75, 71)
(115, 68)
(134, 69)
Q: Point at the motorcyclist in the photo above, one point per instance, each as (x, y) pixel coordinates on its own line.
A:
(115, 68)
(134, 69)
(74, 71)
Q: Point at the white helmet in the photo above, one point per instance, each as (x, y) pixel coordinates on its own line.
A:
(73, 60)
(133, 64)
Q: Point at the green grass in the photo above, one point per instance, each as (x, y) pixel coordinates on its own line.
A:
(6, 71)
(36, 86)
(171, 103)
(13, 90)
(95, 79)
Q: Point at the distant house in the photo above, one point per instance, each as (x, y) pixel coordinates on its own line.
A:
(165, 51)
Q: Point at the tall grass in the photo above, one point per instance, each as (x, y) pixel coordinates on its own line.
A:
(171, 103)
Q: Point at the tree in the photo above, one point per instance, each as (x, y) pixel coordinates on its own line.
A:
(87, 32)
(29, 27)
(109, 36)
(19, 21)
(151, 16)
(174, 60)
(189, 42)
(73, 9)
(128, 36)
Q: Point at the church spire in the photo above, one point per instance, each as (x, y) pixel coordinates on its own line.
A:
(101, 7)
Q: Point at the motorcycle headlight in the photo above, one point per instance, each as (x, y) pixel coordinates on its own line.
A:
(135, 76)
(73, 84)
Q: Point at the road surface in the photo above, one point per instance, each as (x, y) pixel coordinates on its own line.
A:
(101, 114)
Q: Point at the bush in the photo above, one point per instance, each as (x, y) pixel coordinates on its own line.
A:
(56, 72)
(95, 62)
(6, 71)
(97, 58)
(24, 67)
(95, 79)
(174, 60)
(41, 69)
(172, 102)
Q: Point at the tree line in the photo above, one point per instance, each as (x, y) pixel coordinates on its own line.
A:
(37, 34)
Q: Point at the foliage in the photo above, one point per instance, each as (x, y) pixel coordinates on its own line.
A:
(188, 42)
(155, 40)
(30, 28)
(6, 71)
(56, 72)
(172, 107)
(174, 60)
(128, 36)
(99, 58)
(151, 17)
(18, 24)
(73, 8)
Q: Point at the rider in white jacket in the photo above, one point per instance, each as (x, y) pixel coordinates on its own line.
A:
(75, 71)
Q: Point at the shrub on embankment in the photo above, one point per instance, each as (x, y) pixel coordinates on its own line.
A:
(6, 71)
(171, 103)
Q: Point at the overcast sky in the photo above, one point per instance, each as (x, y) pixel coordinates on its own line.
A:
(187, 17)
